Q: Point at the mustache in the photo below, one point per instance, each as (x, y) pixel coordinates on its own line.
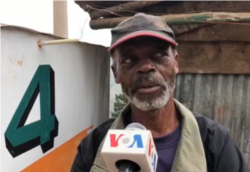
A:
(149, 78)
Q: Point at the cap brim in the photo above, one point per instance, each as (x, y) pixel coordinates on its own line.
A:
(143, 33)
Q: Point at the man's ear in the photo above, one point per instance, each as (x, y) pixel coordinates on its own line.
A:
(114, 67)
(117, 80)
(176, 68)
(114, 71)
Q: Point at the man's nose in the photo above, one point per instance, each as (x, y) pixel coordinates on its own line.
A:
(145, 66)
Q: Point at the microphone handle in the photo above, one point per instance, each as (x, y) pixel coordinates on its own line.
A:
(127, 167)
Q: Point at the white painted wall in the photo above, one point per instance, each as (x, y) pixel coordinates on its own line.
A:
(40, 18)
(81, 87)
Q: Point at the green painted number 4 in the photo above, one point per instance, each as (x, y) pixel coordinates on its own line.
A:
(21, 138)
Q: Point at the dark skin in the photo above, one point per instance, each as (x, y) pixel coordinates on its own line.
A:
(141, 56)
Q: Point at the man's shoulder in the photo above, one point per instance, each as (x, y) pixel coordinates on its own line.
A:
(100, 131)
(213, 134)
(210, 125)
(105, 125)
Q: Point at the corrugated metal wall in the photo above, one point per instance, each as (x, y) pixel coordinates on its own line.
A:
(224, 98)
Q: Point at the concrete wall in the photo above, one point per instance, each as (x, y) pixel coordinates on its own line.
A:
(69, 86)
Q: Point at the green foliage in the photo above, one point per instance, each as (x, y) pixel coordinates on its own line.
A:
(120, 101)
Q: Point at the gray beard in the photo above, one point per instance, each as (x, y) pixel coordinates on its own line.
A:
(157, 103)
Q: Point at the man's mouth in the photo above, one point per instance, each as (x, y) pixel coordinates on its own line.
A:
(147, 88)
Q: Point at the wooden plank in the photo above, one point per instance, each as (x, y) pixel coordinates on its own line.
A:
(182, 8)
(217, 32)
(181, 19)
(214, 57)
(171, 7)
(121, 8)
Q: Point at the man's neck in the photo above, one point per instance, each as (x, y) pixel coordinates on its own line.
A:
(160, 122)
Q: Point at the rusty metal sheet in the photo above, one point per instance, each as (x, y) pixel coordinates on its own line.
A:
(223, 98)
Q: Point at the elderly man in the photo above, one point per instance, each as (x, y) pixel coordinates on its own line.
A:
(145, 63)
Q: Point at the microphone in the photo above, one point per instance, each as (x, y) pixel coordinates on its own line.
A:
(130, 150)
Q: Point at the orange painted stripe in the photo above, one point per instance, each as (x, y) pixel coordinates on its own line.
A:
(60, 159)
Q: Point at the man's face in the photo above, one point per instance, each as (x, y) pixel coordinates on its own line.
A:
(146, 68)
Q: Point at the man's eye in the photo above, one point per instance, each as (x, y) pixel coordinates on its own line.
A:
(160, 55)
(128, 60)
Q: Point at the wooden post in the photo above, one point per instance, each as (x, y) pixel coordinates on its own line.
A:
(182, 19)
(129, 6)
(60, 15)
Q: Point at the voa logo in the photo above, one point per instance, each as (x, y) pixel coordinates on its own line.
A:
(126, 140)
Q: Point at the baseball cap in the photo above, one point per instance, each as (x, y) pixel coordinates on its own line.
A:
(141, 25)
